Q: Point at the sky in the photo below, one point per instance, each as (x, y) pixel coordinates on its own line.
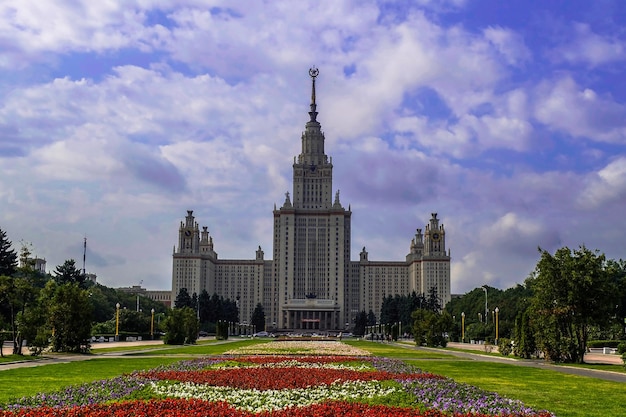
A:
(507, 118)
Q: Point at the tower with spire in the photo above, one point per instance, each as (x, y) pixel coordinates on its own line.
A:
(311, 284)
(311, 240)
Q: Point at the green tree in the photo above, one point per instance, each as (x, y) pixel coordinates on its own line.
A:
(183, 299)
(132, 321)
(68, 273)
(70, 316)
(16, 294)
(430, 328)
(181, 326)
(360, 321)
(572, 291)
(8, 257)
(258, 317)
(525, 345)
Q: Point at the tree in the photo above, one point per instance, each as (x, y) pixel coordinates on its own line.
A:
(258, 317)
(389, 310)
(131, 321)
(572, 291)
(8, 257)
(430, 328)
(68, 273)
(70, 315)
(16, 293)
(432, 302)
(360, 321)
(181, 326)
(183, 299)
(525, 345)
(204, 304)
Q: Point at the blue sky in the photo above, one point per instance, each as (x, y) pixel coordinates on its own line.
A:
(508, 119)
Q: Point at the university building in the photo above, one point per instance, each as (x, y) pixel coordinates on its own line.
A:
(311, 284)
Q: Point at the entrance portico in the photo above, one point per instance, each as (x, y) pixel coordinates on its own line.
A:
(311, 314)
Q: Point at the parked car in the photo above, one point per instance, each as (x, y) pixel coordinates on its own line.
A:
(261, 334)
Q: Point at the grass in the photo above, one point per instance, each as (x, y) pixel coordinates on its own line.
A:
(22, 382)
(563, 394)
(17, 358)
(205, 349)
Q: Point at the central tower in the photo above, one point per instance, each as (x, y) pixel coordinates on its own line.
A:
(311, 241)
(312, 172)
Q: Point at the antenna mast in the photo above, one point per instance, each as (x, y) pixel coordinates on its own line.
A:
(84, 254)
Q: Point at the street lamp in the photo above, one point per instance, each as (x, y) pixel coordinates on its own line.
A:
(117, 322)
(497, 310)
(152, 325)
(463, 327)
(484, 287)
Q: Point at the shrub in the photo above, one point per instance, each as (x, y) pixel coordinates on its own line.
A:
(621, 348)
(505, 346)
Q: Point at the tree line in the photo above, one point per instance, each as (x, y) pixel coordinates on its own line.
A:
(62, 310)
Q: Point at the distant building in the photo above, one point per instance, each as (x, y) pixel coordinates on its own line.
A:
(312, 284)
(38, 264)
(164, 297)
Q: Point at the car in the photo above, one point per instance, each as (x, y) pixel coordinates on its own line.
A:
(261, 334)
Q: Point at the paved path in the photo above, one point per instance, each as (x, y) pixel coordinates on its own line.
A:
(598, 358)
(51, 358)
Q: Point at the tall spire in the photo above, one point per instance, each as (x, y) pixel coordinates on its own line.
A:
(313, 72)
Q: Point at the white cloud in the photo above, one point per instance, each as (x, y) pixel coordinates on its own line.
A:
(565, 106)
(509, 44)
(607, 186)
(590, 48)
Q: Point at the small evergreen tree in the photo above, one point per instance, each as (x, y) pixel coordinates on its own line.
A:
(360, 321)
(258, 317)
(183, 299)
(68, 273)
(8, 256)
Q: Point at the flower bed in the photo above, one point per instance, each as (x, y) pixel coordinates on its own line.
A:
(300, 347)
(280, 386)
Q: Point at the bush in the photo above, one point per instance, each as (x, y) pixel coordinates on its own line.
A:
(505, 346)
(621, 348)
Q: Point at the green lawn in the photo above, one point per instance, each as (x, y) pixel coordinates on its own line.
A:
(22, 382)
(563, 394)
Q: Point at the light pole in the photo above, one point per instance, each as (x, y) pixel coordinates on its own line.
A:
(463, 327)
(117, 322)
(484, 287)
(497, 310)
(152, 325)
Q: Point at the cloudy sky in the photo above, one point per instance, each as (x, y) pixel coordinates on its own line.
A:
(507, 118)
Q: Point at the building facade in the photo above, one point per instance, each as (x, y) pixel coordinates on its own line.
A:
(311, 283)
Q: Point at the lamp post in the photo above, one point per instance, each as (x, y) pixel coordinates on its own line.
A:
(152, 325)
(497, 310)
(463, 327)
(484, 287)
(117, 322)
